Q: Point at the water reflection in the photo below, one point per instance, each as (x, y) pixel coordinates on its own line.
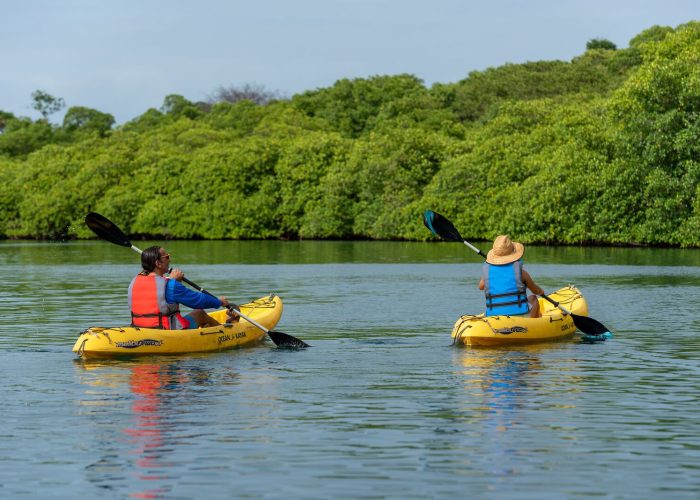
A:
(503, 388)
(147, 435)
(507, 372)
(140, 443)
(495, 379)
(30, 253)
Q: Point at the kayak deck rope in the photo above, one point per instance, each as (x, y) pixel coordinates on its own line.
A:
(81, 349)
(569, 295)
(467, 318)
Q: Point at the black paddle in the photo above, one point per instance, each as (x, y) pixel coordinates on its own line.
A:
(107, 230)
(442, 227)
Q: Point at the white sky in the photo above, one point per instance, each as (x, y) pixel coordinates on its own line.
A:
(124, 56)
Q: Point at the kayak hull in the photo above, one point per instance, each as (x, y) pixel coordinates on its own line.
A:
(478, 330)
(101, 342)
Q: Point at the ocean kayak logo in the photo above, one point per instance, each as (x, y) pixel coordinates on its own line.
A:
(132, 344)
(512, 329)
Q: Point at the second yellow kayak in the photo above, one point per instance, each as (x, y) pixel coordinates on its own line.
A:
(478, 330)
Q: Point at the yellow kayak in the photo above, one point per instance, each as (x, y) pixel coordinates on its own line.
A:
(478, 330)
(102, 342)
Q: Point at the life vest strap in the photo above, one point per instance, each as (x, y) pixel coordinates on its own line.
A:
(499, 295)
(521, 298)
(159, 316)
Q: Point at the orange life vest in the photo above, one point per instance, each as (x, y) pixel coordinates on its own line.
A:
(149, 309)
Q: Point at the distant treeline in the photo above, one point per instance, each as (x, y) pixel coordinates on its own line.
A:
(604, 149)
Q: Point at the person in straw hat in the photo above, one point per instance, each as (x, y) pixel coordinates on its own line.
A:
(505, 282)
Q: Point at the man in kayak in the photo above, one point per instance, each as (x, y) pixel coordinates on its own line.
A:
(505, 282)
(155, 300)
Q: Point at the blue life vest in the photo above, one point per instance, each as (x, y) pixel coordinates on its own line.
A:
(504, 289)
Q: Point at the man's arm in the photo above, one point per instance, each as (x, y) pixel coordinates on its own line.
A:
(176, 292)
(534, 288)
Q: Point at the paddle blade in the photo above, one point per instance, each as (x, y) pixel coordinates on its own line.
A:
(594, 339)
(106, 229)
(440, 226)
(283, 340)
(589, 326)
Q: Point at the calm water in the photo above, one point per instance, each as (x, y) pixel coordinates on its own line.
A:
(381, 406)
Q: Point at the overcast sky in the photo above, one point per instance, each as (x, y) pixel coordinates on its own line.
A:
(124, 56)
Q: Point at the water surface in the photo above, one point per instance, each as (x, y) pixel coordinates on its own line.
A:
(381, 406)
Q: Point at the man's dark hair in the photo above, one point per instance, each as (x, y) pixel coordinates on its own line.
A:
(149, 258)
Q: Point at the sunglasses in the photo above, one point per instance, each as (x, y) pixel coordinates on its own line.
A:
(163, 257)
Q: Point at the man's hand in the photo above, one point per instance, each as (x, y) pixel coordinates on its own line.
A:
(176, 274)
(231, 316)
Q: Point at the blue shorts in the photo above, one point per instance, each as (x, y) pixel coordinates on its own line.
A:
(190, 321)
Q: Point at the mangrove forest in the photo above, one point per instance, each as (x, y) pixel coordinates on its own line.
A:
(603, 149)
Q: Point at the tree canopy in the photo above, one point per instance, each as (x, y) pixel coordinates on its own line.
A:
(602, 149)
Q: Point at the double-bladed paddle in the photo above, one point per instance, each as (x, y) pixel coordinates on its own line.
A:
(442, 227)
(108, 231)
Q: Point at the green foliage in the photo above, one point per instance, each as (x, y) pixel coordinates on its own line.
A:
(604, 149)
(5, 118)
(46, 104)
(301, 165)
(600, 43)
(177, 106)
(21, 136)
(240, 118)
(393, 170)
(478, 97)
(86, 120)
(657, 114)
(149, 120)
(530, 172)
(654, 34)
(623, 61)
(351, 106)
(10, 196)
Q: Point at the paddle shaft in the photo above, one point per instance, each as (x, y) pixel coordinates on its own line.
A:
(557, 304)
(473, 248)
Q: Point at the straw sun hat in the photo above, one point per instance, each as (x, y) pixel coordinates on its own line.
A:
(504, 251)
